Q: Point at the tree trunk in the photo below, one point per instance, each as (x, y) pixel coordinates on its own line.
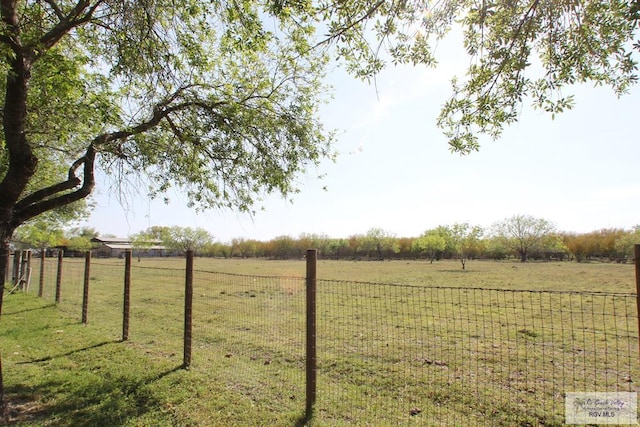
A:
(4, 258)
(22, 162)
(3, 408)
(523, 256)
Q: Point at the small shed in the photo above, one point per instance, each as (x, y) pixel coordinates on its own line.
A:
(115, 247)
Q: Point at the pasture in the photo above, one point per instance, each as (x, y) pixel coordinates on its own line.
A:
(399, 343)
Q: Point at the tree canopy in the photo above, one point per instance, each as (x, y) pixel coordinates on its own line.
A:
(221, 98)
(187, 238)
(522, 233)
(522, 51)
(218, 98)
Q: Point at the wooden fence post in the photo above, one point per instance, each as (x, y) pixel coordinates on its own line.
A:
(311, 367)
(3, 408)
(15, 275)
(85, 293)
(127, 295)
(188, 306)
(7, 271)
(26, 270)
(636, 253)
(59, 276)
(43, 254)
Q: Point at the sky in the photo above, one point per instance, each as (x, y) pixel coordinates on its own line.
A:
(394, 170)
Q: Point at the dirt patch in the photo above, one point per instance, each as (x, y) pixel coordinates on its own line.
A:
(21, 410)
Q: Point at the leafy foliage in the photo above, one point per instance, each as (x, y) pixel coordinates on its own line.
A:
(221, 98)
(432, 242)
(465, 240)
(214, 98)
(40, 234)
(376, 242)
(524, 51)
(523, 233)
(624, 245)
(532, 50)
(175, 237)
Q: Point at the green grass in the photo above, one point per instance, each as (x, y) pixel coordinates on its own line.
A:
(58, 372)
(569, 276)
(422, 354)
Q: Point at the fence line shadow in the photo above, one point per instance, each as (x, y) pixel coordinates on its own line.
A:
(305, 419)
(110, 402)
(13, 313)
(69, 353)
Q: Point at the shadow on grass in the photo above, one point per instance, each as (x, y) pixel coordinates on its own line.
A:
(42, 307)
(305, 419)
(69, 353)
(108, 400)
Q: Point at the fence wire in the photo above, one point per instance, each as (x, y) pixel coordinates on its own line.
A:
(157, 309)
(251, 328)
(398, 354)
(387, 354)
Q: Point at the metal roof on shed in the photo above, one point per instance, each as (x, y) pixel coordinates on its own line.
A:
(116, 246)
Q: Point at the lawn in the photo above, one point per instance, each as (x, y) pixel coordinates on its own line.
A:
(441, 346)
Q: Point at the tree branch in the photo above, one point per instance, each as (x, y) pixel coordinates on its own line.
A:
(28, 211)
(9, 15)
(56, 9)
(350, 25)
(43, 194)
(81, 13)
(45, 199)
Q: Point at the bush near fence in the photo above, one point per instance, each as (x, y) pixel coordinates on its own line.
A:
(386, 354)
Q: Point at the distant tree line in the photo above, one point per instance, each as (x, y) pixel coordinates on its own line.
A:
(519, 237)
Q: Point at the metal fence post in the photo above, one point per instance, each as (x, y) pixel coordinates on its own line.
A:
(127, 295)
(59, 276)
(188, 306)
(311, 366)
(43, 254)
(85, 293)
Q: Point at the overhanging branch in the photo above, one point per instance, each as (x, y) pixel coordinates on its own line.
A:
(59, 194)
(42, 201)
(45, 193)
(79, 15)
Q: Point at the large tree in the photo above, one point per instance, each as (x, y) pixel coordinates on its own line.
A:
(625, 244)
(377, 243)
(521, 51)
(523, 233)
(187, 238)
(220, 98)
(213, 97)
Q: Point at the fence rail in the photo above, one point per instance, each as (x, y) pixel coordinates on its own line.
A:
(370, 353)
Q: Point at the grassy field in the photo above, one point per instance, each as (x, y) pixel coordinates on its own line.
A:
(566, 276)
(446, 347)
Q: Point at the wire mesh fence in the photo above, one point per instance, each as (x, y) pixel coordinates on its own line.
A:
(251, 328)
(71, 285)
(394, 354)
(387, 354)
